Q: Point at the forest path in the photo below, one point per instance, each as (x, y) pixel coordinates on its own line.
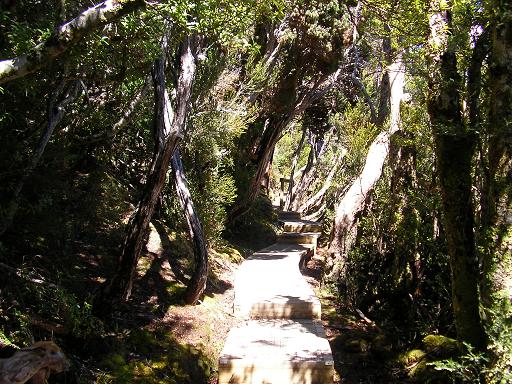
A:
(282, 340)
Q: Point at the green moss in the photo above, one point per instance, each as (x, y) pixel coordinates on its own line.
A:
(441, 346)
(412, 356)
(227, 252)
(419, 370)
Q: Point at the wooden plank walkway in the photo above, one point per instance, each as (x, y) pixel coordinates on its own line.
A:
(282, 340)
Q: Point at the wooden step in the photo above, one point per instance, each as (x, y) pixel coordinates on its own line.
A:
(288, 215)
(276, 352)
(297, 301)
(269, 285)
(298, 237)
(301, 226)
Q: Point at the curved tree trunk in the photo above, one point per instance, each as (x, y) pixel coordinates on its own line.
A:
(306, 179)
(274, 126)
(66, 36)
(197, 283)
(353, 201)
(168, 129)
(309, 175)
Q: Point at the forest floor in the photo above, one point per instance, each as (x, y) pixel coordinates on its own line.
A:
(170, 341)
(359, 346)
(158, 339)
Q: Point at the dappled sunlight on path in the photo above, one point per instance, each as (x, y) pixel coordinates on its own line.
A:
(282, 340)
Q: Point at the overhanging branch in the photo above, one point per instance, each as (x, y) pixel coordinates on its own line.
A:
(65, 37)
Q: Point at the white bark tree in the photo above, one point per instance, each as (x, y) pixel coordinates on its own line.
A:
(353, 201)
(65, 37)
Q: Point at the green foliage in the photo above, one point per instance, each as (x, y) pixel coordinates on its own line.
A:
(24, 26)
(356, 133)
(467, 368)
(63, 307)
(208, 152)
(499, 329)
(46, 303)
(317, 29)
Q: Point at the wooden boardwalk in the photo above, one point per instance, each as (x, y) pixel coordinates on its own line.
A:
(282, 340)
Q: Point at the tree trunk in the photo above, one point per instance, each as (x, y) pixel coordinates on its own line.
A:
(353, 201)
(497, 188)
(454, 149)
(197, 283)
(296, 157)
(309, 175)
(66, 36)
(317, 200)
(274, 126)
(402, 230)
(385, 85)
(168, 129)
(271, 135)
(55, 114)
(306, 179)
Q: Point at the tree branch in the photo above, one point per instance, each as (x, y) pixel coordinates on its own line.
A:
(65, 37)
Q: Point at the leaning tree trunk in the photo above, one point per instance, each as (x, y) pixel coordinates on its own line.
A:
(197, 283)
(306, 179)
(168, 129)
(454, 147)
(353, 201)
(309, 176)
(273, 128)
(55, 114)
